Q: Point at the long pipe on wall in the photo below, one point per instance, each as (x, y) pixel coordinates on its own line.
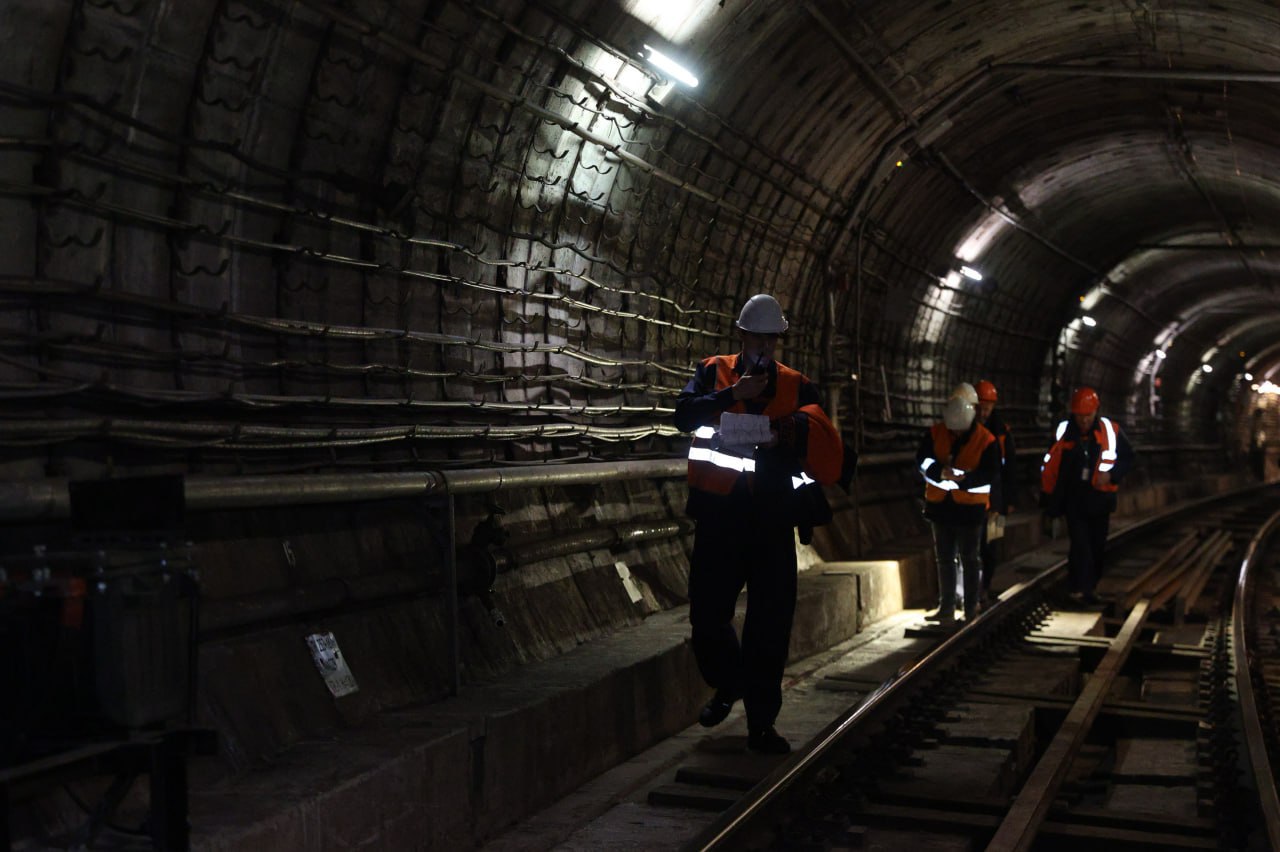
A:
(50, 500)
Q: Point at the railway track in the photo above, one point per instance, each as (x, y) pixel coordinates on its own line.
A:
(1144, 723)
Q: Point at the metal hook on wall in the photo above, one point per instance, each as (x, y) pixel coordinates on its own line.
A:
(118, 7)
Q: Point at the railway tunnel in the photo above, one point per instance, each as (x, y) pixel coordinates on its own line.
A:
(367, 318)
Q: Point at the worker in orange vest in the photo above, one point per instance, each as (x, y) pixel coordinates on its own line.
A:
(744, 471)
(958, 459)
(1079, 479)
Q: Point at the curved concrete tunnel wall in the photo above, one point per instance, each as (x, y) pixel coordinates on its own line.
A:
(289, 236)
(315, 216)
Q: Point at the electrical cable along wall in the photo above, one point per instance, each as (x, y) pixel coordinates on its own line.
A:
(312, 234)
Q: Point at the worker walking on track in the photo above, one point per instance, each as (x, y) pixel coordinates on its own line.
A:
(1003, 487)
(959, 459)
(1079, 480)
(760, 436)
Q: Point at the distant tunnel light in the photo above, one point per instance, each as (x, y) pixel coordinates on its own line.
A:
(1161, 354)
(971, 273)
(1088, 320)
(1206, 368)
(1248, 377)
(669, 66)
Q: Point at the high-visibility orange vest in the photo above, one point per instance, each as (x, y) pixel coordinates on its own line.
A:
(715, 471)
(1104, 432)
(967, 460)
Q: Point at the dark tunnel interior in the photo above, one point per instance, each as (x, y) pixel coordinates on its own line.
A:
(375, 277)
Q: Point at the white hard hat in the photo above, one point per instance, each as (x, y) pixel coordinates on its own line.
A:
(965, 391)
(762, 315)
(958, 415)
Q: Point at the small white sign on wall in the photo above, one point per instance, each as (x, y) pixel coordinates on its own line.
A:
(628, 582)
(331, 664)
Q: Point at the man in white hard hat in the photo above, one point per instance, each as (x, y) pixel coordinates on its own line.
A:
(959, 459)
(759, 434)
(967, 392)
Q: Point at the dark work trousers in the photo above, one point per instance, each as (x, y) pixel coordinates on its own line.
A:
(952, 542)
(987, 551)
(729, 553)
(987, 556)
(1088, 535)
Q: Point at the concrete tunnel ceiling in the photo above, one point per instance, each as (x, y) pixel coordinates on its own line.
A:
(280, 234)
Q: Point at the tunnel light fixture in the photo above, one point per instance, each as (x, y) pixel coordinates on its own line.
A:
(1248, 377)
(1206, 368)
(1088, 321)
(670, 67)
(1161, 354)
(971, 273)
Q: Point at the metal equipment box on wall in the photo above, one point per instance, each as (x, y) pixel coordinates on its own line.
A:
(97, 632)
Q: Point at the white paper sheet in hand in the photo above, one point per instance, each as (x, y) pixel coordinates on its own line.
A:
(743, 430)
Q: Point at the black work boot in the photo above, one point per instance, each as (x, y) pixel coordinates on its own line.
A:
(767, 741)
(717, 709)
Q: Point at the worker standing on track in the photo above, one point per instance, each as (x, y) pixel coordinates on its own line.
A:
(959, 459)
(1079, 480)
(1003, 487)
(760, 437)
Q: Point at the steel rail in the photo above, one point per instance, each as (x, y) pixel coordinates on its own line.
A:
(1242, 659)
(1018, 830)
(769, 791)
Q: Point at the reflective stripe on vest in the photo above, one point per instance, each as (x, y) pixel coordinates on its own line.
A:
(1107, 459)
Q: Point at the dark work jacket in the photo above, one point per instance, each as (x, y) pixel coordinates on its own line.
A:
(1004, 489)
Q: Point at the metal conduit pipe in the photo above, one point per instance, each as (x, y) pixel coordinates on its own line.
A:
(1208, 75)
(326, 595)
(50, 499)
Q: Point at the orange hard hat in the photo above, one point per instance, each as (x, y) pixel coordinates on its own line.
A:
(1084, 401)
(986, 391)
